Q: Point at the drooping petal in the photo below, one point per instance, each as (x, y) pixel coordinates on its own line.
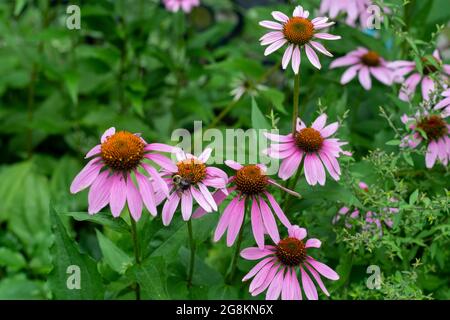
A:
(170, 206)
(236, 223)
(134, 199)
(255, 253)
(118, 195)
(312, 57)
(323, 269)
(186, 205)
(86, 176)
(147, 193)
(98, 196)
(269, 221)
(308, 286)
(257, 224)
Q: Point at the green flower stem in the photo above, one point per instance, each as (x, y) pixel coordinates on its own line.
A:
(192, 258)
(292, 187)
(137, 254)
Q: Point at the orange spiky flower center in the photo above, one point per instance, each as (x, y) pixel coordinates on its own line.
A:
(192, 170)
(308, 139)
(123, 151)
(434, 126)
(371, 59)
(298, 30)
(251, 180)
(291, 251)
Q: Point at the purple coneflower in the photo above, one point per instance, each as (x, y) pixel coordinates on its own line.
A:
(109, 174)
(283, 263)
(185, 5)
(189, 180)
(364, 63)
(314, 145)
(297, 32)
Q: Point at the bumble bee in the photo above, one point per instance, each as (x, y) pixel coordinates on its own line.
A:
(181, 183)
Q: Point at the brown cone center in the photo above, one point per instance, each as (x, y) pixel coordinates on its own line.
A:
(122, 151)
(251, 180)
(298, 30)
(291, 251)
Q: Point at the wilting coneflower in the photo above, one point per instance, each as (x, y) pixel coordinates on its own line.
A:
(250, 184)
(433, 130)
(314, 145)
(356, 10)
(188, 181)
(185, 5)
(431, 66)
(109, 174)
(364, 63)
(298, 32)
(444, 104)
(371, 218)
(283, 263)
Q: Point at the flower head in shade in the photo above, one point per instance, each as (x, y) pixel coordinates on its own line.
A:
(432, 66)
(250, 185)
(373, 220)
(298, 33)
(433, 130)
(444, 105)
(356, 10)
(283, 263)
(313, 144)
(110, 172)
(365, 64)
(185, 5)
(188, 180)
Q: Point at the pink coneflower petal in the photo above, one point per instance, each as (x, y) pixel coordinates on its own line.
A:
(313, 243)
(364, 78)
(275, 46)
(323, 269)
(225, 219)
(269, 221)
(257, 224)
(286, 291)
(427, 87)
(157, 178)
(169, 208)
(98, 196)
(208, 196)
(319, 47)
(308, 286)
(431, 154)
(280, 16)
(296, 291)
(186, 205)
(350, 73)
(257, 268)
(287, 56)
(329, 130)
(344, 61)
(312, 56)
(255, 253)
(275, 287)
(198, 196)
(118, 196)
(159, 147)
(271, 25)
(163, 162)
(316, 277)
(233, 164)
(134, 199)
(278, 211)
(235, 223)
(296, 59)
(326, 36)
(263, 279)
(147, 193)
(108, 133)
(94, 151)
(86, 176)
(290, 165)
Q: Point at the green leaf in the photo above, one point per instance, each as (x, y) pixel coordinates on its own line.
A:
(71, 80)
(258, 119)
(115, 257)
(276, 97)
(103, 218)
(11, 259)
(65, 253)
(19, 287)
(20, 4)
(393, 142)
(152, 278)
(413, 197)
